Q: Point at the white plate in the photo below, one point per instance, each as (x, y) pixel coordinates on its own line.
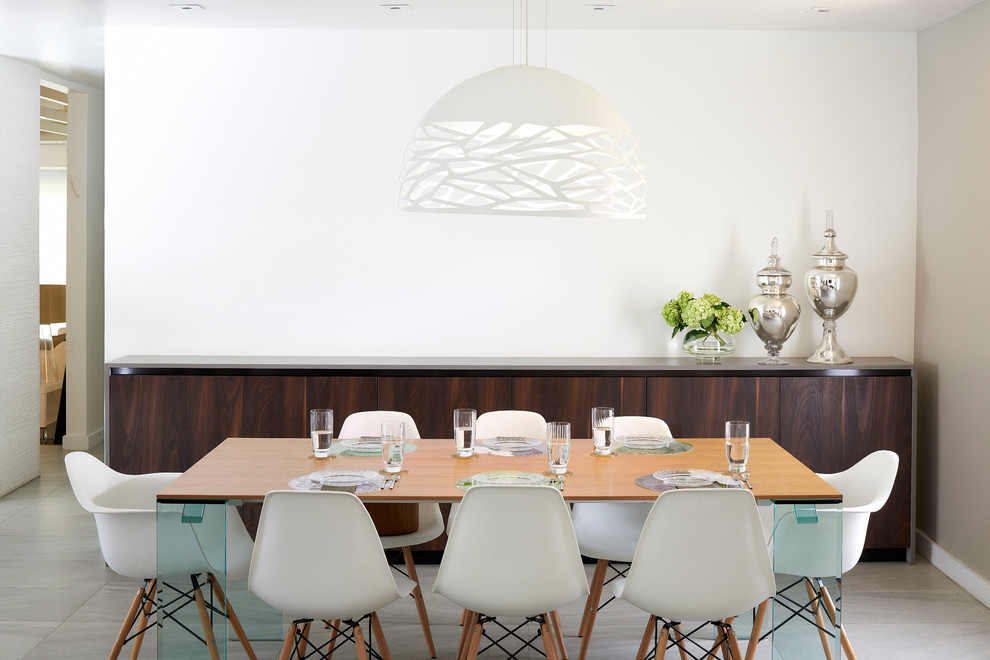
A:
(687, 478)
(512, 444)
(363, 445)
(343, 477)
(643, 441)
(509, 478)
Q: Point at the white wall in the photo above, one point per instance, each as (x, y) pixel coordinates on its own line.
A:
(19, 367)
(953, 234)
(252, 180)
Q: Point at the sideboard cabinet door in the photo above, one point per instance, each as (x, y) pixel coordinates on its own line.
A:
(830, 423)
(700, 407)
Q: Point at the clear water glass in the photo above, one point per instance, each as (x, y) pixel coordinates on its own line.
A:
(321, 431)
(602, 429)
(558, 446)
(737, 446)
(393, 446)
(464, 420)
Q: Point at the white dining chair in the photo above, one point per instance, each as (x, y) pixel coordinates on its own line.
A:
(609, 531)
(317, 556)
(369, 423)
(702, 557)
(504, 424)
(865, 488)
(510, 423)
(134, 535)
(512, 554)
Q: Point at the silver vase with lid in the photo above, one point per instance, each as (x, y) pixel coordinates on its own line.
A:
(831, 286)
(774, 313)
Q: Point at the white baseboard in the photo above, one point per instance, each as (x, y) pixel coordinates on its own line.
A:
(82, 442)
(963, 575)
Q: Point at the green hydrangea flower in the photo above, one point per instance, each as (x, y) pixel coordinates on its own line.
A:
(711, 299)
(684, 297)
(729, 320)
(696, 312)
(672, 313)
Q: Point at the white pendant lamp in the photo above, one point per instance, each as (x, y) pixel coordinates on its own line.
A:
(523, 140)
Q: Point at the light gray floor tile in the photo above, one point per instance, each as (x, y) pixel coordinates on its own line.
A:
(41, 604)
(18, 638)
(72, 574)
(909, 641)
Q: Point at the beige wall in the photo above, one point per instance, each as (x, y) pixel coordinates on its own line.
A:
(952, 310)
(20, 155)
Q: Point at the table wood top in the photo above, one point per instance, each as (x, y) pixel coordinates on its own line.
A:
(248, 468)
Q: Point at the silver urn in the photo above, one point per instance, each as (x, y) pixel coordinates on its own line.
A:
(831, 286)
(774, 313)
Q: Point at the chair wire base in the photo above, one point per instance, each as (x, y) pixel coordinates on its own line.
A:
(350, 630)
(725, 639)
(811, 611)
(539, 620)
(150, 609)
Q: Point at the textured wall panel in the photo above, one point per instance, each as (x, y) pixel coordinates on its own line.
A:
(19, 372)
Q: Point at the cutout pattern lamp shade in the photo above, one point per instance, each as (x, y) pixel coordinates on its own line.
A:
(523, 140)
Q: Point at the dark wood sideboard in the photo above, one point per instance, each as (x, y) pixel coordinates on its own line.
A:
(164, 413)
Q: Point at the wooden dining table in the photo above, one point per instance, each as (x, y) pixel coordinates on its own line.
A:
(246, 469)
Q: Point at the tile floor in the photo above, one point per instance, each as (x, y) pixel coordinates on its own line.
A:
(59, 601)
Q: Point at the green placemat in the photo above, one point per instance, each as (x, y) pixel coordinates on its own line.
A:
(675, 447)
(341, 450)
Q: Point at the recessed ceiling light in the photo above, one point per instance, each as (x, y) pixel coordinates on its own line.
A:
(600, 7)
(188, 7)
(821, 10)
(395, 7)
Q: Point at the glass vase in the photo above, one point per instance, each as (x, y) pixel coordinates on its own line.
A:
(709, 350)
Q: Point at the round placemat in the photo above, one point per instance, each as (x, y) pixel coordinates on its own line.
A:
(341, 450)
(675, 447)
(649, 482)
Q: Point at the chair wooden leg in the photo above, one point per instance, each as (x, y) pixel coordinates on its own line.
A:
(334, 627)
(591, 607)
(464, 616)
(125, 627)
(549, 644)
(469, 618)
(149, 601)
(204, 619)
(679, 637)
(754, 636)
(644, 646)
(731, 648)
(231, 616)
(472, 650)
(362, 651)
(417, 594)
(558, 631)
(817, 609)
(662, 643)
(287, 645)
(303, 637)
(376, 631)
(830, 607)
(594, 596)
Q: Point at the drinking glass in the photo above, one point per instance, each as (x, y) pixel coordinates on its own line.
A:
(558, 446)
(602, 427)
(737, 446)
(321, 431)
(464, 419)
(393, 446)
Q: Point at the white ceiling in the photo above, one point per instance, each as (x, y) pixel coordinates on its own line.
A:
(66, 36)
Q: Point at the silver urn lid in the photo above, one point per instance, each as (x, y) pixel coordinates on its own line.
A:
(773, 279)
